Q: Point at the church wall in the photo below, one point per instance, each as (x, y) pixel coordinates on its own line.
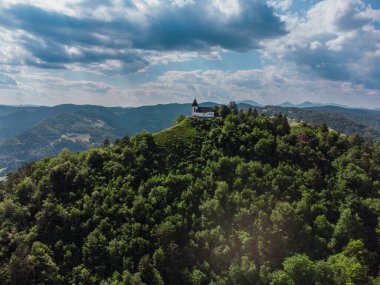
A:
(204, 115)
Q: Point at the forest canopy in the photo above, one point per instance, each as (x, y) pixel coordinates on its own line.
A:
(240, 199)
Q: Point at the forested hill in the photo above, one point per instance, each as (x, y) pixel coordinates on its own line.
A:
(245, 199)
(344, 120)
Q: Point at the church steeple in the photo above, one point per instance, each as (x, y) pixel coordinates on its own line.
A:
(195, 103)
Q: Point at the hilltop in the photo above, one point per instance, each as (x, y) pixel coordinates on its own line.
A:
(244, 199)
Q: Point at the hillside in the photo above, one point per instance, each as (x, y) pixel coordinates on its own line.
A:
(245, 199)
(132, 120)
(346, 121)
(31, 133)
(181, 133)
(73, 131)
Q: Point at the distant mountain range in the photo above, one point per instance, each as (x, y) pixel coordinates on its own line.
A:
(308, 104)
(29, 133)
(250, 102)
(305, 104)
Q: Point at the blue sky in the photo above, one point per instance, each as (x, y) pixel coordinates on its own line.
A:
(139, 52)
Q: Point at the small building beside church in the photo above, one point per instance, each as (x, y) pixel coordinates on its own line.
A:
(201, 112)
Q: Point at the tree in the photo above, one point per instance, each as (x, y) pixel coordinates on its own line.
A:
(348, 270)
(300, 269)
(20, 266)
(224, 111)
(45, 270)
(198, 277)
(348, 227)
(106, 143)
(233, 107)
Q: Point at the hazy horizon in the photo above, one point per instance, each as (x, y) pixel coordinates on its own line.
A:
(134, 53)
(283, 104)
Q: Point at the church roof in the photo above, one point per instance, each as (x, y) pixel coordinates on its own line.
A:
(195, 103)
(204, 109)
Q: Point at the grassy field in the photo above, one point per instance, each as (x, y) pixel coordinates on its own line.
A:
(2, 172)
(181, 133)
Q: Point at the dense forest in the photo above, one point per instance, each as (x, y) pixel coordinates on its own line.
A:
(241, 199)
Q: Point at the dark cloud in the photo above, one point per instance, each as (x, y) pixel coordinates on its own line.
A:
(337, 41)
(326, 63)
(193, 27)
(349, 18)
(371, 72)
(341, 65)
(50, 35)
(51, 54)
(64, 29)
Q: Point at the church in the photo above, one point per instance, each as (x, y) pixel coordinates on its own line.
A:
(201, 112)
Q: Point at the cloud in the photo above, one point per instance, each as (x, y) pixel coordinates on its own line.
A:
(72, 85)
(45, 81)
(325, 50)
(46, 89)
(280, 4)
(269, 85)
(6, 81)
(336, 40)
(233, 25)
(97, 32)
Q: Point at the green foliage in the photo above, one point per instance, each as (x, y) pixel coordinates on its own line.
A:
(179, 119)
(241, 199)
(183, 132)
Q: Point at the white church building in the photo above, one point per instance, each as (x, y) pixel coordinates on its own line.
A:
(201, 112)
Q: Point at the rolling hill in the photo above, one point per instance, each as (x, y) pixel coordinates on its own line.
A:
(29, 133)
(346, 121)
(73, 131)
